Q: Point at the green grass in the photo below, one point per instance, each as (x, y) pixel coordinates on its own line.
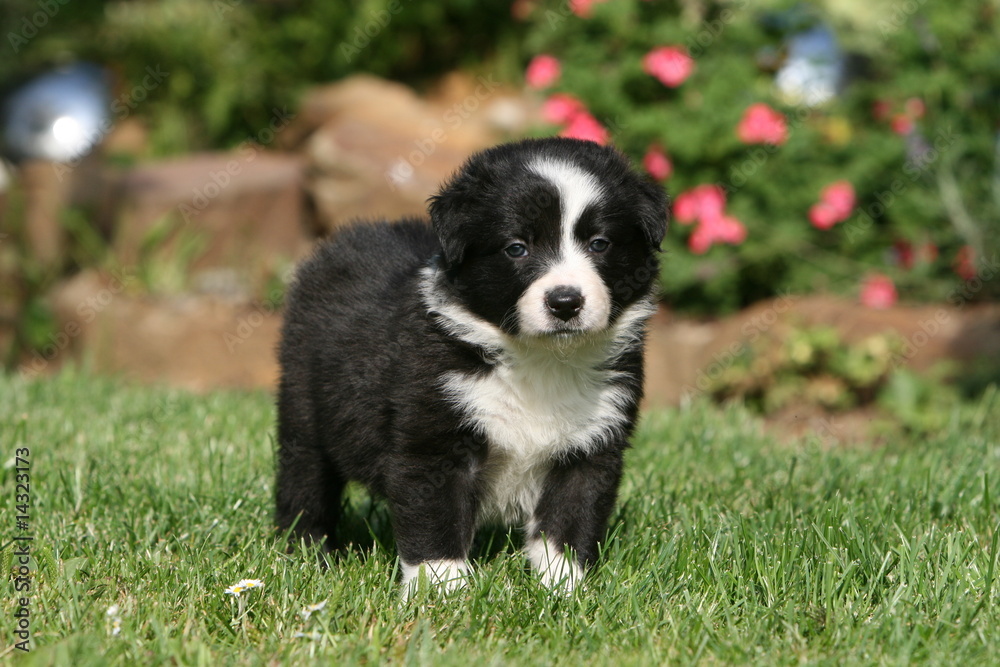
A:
(727, 547)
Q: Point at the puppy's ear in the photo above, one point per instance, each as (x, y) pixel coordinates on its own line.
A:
(653, 212)
(449, 209)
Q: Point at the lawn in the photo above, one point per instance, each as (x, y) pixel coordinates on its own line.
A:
(727, 547)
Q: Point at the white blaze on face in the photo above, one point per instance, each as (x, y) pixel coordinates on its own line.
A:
(573, 268)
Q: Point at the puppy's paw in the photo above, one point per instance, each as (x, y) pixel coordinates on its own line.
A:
(446, 574)
(559, 572)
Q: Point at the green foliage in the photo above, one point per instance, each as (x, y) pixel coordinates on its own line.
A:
(726, 548)
(929, 193)
(920, 403)
(813, 367)
(229, 64)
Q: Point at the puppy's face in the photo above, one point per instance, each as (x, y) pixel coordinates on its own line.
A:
(550, 237)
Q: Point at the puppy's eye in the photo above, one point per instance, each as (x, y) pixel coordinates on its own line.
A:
(599, 245)
(516, 250)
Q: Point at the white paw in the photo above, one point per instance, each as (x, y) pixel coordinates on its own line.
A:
(556, 570)
(448, 574)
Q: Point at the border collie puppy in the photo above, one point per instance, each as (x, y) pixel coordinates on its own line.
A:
(485, 367)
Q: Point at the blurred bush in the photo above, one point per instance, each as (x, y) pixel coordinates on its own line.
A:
(225, 65)
(911, 132)
(895, 174)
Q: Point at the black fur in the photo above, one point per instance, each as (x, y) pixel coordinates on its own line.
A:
(362, 356)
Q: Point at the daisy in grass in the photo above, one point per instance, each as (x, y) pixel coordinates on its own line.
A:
(311, 609)
(116, 620)
(243, 585)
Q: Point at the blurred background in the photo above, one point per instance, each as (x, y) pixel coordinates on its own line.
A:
(834, 168)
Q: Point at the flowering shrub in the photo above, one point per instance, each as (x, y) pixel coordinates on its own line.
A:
(878, 185)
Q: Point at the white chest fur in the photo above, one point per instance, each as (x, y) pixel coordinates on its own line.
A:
(533, 408)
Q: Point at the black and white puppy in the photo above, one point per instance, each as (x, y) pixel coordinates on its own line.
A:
(486, 367)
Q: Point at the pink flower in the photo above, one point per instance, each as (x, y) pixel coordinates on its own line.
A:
(902, 124)
(559, 108)
(878, 292)
(700, 240)
(836, 202)
(584, 126)
(704, 202)
(657, 163)
(727, 229)
(823, 216)
(723, 229)
(670, 64)
(840, 196)
(582, 8)
(762, 125)
(686, 207)
(543, 71)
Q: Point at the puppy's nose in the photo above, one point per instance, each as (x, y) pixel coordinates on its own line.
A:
(564, 302)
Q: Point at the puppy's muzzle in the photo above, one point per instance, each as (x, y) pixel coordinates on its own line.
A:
(564, 302)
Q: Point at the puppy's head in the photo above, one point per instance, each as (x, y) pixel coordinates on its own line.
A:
(549, 237)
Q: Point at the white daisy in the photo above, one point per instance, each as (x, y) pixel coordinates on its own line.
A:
(309, 610)
(243, 585)
(116, 620)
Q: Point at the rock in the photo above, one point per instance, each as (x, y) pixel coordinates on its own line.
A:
(193, 342)
(375, 149)
(46, 191)
(682, 356)
(129, 138)
(241, 211)
(206, 341)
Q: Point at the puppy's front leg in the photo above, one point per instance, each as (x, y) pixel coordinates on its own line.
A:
(572, 512)
(434, 505)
